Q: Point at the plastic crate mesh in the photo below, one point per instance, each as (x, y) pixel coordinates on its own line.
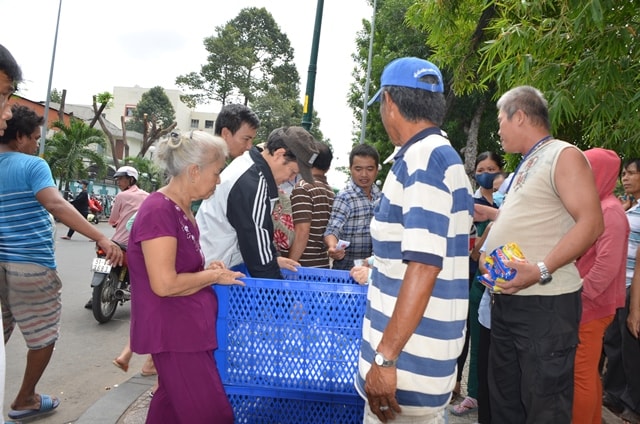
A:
(300, 333)
(274, 407)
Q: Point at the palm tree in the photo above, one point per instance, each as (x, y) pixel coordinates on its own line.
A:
(69, 153)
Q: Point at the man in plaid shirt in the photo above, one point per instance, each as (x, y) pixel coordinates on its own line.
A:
(353, 209)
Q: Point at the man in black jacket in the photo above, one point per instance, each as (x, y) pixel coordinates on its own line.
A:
(235, 223)
(81, 203)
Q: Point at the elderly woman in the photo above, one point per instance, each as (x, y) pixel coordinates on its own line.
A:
(173, 308)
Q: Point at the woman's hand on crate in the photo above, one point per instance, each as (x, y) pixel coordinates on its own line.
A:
(287, 263)
(225, 276)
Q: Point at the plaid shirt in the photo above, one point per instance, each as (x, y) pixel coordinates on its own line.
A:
(350, 219)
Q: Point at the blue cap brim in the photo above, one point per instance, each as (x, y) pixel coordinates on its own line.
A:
(375, 98)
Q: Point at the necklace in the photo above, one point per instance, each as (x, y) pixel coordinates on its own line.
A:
(535, 147)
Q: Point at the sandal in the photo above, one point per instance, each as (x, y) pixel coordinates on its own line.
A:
(465, 407)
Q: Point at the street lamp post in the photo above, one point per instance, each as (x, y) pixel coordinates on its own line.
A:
(45, 126)
(363, 129)
(307, 117)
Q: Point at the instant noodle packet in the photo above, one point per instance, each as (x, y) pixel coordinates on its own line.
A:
(495, 264)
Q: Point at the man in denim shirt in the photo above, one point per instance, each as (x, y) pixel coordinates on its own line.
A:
(353, 209)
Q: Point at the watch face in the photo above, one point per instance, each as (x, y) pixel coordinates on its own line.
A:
(378, 359)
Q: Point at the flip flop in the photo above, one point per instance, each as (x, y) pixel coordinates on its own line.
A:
(47, 404)
(465, 407)
(123, 367)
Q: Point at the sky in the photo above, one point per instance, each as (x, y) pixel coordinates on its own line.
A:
(147, 43)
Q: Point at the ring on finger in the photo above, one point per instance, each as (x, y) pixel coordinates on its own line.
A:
(384, 408)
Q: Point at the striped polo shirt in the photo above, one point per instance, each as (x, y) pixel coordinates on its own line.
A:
(311, 203)
(424, 215)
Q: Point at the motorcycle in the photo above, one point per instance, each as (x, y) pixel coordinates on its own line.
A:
(110, 285)
(95, 210)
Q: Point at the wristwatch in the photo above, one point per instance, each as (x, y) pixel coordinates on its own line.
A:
(381, 361)
(545, 276)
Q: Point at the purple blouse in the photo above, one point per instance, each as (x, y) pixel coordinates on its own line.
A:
(169, 324)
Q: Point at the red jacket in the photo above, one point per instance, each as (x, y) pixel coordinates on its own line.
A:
(603, 265)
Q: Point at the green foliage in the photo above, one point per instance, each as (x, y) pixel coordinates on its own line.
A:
(105, 97)
(583, 55)
(150, 175)
(277, 111)
(56, 96)
(398, 35)
(154, 107)
(246, 58)
(69, 152)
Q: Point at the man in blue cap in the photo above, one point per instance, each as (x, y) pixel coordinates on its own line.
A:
(413, 329)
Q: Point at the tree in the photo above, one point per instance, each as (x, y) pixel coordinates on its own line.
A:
(276, 111)
(153, 117)
(556, 46)
(395, 37)
(56, 96)
(248, 55)
(69, 151)
(150, 175)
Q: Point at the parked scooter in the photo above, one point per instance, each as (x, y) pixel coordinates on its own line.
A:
(95, 210)
(110, 285)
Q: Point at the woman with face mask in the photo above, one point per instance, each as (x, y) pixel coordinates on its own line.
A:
(488, 168)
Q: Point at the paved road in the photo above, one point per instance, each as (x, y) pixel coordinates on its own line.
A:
(80, 371)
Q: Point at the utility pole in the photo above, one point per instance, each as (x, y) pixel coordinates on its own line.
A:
(307, 116)
(45, 126)
(363, 129)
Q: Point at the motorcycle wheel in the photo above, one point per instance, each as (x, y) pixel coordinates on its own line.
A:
(104, 298)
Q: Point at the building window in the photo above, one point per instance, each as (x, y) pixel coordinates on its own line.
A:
(128, 111)
(208, 124)
(195, 123)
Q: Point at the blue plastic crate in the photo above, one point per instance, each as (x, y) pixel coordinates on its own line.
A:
(252, 405)
(301, 333)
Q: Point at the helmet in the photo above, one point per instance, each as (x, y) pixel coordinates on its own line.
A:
(126, 171)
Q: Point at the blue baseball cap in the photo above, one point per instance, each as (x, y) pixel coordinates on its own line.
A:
(407, 72)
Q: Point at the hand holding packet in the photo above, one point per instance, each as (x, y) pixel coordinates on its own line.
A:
(495, 264)
(342, 244)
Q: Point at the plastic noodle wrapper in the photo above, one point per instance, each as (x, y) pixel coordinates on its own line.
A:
(495, 264)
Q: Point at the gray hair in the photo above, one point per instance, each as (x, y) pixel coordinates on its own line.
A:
(178, 151)
(529, 100)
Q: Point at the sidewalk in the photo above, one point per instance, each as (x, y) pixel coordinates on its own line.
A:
(128, 404)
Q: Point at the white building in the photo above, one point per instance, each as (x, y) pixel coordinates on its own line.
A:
(125, 100)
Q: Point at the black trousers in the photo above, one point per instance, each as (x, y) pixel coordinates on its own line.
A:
(484, 406)
(531, 358)
(621, 380)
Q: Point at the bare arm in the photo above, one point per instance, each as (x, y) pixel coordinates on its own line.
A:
(160, 261)
(417, 286)
(51, 199)
(484, 213)
(577, 190)
(633, 319)
(300, 240)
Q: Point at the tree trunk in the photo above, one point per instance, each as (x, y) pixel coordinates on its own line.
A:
(61, 109)
(471, 150)
(112, 141)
